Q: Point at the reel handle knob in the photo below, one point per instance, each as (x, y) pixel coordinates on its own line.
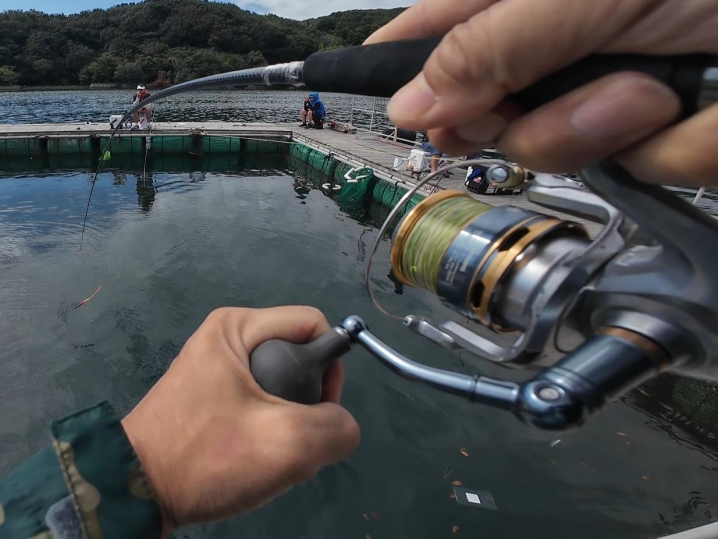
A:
(294, 372)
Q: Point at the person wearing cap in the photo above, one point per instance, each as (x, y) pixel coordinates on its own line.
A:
(140, 95)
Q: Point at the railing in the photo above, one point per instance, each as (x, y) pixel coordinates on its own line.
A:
(368, 115)
(699, 195)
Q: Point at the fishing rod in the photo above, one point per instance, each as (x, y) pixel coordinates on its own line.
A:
(593, 317)
(380, 69)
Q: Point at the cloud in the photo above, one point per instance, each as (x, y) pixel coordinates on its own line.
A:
(306, 9)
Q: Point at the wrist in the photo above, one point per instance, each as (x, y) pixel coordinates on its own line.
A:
(141, 440)
(99, 464)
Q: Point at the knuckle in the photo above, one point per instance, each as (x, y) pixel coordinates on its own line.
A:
(470, 54)
(313, 313)
(221, 316)
(455, 60)
(217, 315)
(497, 60)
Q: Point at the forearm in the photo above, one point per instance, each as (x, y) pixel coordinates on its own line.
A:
(88, 480)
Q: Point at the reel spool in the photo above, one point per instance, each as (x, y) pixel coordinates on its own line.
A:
(477, 258)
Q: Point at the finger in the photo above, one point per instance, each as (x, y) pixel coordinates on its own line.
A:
(500, 50)
(476, 134)
(298, 324)
(323, 434)
(333, 382)
(591, 123)
(428, 18)
(684, 154)
(245, 329)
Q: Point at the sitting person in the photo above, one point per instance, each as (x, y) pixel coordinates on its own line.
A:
(313, 112)
(140, 95)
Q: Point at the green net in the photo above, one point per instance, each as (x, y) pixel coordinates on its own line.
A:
(389, 194)
(363, 185)
(358, 185)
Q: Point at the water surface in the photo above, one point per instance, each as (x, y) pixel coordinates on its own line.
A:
(169, 247)
(223, 105)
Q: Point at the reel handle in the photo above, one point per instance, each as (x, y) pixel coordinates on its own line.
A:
(294, 372)
(381, 69)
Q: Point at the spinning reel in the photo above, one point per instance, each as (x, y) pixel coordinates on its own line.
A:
(594, 316)
(599, 316)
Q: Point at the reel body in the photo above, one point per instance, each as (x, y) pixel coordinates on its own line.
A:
(599, 316)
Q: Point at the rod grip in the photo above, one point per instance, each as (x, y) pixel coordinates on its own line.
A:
(295, 372)
(381, 69)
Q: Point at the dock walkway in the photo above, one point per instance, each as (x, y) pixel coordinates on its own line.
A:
(361, 149)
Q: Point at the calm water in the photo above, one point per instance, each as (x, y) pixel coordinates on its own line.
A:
(169, 248)
(224, 105)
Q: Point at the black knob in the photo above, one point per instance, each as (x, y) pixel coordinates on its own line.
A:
(294, 372)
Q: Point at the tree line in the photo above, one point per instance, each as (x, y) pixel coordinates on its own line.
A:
(164, 41)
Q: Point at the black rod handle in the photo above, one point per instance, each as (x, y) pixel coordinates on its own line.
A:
(381, 69)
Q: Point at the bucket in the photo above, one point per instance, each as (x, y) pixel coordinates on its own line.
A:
(400, 162)
(115, 120)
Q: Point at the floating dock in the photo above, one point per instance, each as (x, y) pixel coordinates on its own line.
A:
(43, 141)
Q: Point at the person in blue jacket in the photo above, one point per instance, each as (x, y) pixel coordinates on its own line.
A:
(313, 112)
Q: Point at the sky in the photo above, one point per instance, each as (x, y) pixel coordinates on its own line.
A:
(293, 9)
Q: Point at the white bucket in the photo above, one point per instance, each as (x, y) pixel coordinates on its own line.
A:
(400, 162)
(115, 120)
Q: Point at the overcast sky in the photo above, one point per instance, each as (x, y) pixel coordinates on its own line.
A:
(294, 9)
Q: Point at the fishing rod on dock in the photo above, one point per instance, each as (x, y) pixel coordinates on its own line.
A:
(591, 317)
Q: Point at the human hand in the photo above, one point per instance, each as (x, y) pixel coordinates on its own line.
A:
(213, 443)
(497, 47)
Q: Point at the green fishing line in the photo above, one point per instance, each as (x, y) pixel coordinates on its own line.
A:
(430, 237)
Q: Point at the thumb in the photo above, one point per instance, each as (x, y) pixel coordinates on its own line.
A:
(328, 434)
(500, 50)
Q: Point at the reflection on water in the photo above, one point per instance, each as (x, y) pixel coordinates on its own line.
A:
(684, 409)
(193, 234)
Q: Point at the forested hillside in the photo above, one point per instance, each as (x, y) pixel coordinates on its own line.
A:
(353, 27)
(164, 41)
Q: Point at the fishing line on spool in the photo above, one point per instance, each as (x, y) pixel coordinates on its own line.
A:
(442, 235)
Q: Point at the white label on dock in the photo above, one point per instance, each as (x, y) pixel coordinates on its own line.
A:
(472, 498)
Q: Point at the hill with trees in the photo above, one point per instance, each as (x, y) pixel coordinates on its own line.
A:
(353, 27)
(164, 41)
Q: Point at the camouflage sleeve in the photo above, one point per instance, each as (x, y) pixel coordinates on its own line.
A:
(88, 484)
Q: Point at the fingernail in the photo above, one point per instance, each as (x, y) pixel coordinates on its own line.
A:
(485, 129)
(412, 101)
(624, 107)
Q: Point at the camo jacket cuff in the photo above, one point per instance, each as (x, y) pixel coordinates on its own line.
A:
(88, 484)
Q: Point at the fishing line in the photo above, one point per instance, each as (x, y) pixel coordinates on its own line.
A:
(431, 235)
(289, 73)
(439, 172)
